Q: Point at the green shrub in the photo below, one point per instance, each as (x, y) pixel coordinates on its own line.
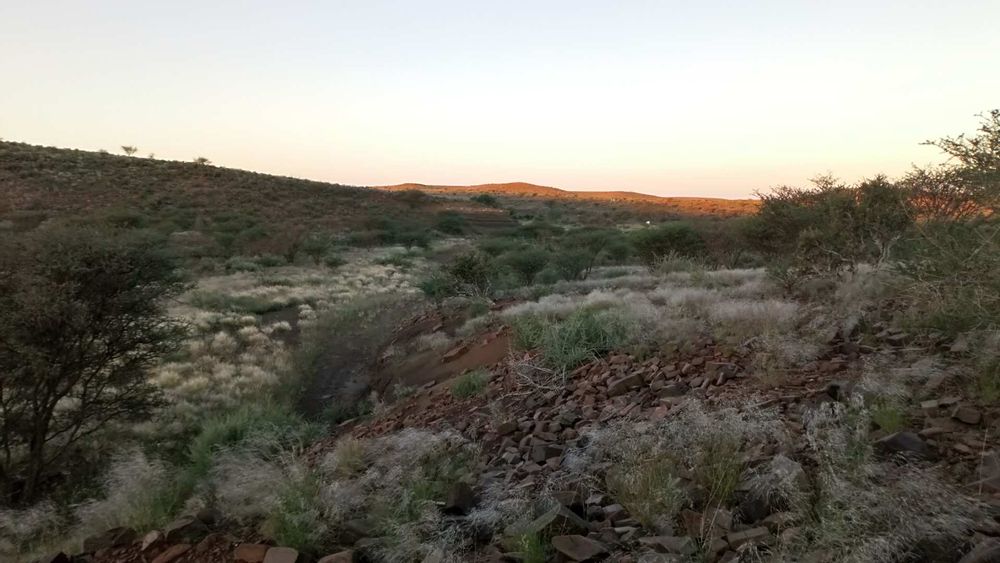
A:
(988, 377)
(438, 286)
(412, 237)
(584, 335)
(412, 197)
(832, 225)
(954, 268)
(451, 223)
(573, 264)
(531, 547)
(470, 384)
(292, 522)
(473, 273)
(500, 245)
(333, 261)
(486, 199)
(83, 323)
(241, 264)
(400, 260)
(316, 246)
(269, 260)
(670, 238)
(339, 412)
(889, 416)
(525, 263)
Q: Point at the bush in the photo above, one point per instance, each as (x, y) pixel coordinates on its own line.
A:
(832, 225)
(500, 245)
(438, 286)
(670, 238)
(486, 199)
(451, 223)
(473, 273)
(585, 334)
(241, 264)
(316, 246)
(525, 263)
(333, 261)
(470, 384)
(954, 272)
(83, 322)
(413, 197)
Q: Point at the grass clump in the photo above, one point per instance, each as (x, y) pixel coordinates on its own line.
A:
(865, 510)
(889, 416)
(648, 488)
(583, 335)
(531, 547)
(470, 384)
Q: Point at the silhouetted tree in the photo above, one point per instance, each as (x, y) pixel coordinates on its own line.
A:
(83, 321)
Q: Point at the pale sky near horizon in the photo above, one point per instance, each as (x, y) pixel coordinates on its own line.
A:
(672, 98)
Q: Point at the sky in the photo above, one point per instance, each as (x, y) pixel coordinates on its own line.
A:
(707, 98)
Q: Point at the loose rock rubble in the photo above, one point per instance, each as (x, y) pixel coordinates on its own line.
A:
(526, 423)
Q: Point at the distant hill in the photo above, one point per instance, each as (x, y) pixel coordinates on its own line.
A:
(698, 206)
(238, 210)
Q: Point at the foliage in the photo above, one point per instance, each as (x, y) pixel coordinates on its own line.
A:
(676, 237)
(954, 272)
(473, 273)
(83, 322)
(526, 263)
(584, 334)
(470, 384)
(832, 225)
(450, 222)
(316, 246)
(486, 199)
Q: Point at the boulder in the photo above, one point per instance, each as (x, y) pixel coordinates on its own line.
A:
(339, 557)
(250, 553)
(557, 519)
(281, 555)
(966, 414)
(986, 552)
(578, 548)
(209, 516)
(767, 491)
(674, 390)
(150, 539)
(682, 545)
(460, 500)
(172, 553)
(903, 443)
(115, 537)
(58, 557)
(751, 536)
(625, 383)
(185, 529)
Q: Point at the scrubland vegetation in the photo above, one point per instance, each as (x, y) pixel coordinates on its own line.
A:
(143, 380)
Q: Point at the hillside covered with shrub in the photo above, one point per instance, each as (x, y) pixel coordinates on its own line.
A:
(816, 382)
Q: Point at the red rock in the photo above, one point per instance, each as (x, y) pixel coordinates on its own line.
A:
(281, 555)
(172, 552)
(578, 548)
(967, 414)
(250, 553)
(340, 557)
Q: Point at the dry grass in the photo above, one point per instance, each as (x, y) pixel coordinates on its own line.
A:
(864, 510)
(642, 462)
